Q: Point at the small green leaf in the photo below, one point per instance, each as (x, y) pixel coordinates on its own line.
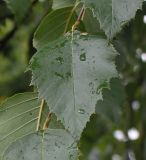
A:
(113, 14)
(68, 73)
(54, 25)
(91, 24)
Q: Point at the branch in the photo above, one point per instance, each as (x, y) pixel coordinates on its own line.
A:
(48, 119)
(80, 17)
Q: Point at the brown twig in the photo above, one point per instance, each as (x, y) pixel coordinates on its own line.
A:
(80, 17)
(46, 124)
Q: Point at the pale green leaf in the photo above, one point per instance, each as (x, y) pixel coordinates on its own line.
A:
(68, 74)
(18, 117)
(19, 7)
(54, 25)
(113, 14)
(55, 144)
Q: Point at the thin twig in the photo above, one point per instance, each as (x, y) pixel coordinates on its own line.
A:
(80, 17)
(46, 124)
(40, 113)
(70, 15)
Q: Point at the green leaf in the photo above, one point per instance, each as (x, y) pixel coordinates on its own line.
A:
(95, 129)
(54, 144)
(113, 14)
(19, 116)
(19, 7)
(111, 105)
(68, 73)
(91, 24)
(54, 25)
(62, 3)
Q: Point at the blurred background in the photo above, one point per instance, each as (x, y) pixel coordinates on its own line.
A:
(102, 139)
(16, 46)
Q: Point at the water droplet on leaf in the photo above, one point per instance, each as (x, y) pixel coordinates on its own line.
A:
(71, 156)
(91, 84)
(60, 60)
(68, 75)
(83, 57)
(59, 75)
(81, 111)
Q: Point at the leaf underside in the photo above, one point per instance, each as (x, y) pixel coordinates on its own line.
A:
(68, 74)
(53, 144)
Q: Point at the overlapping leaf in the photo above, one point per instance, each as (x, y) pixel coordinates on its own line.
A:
(68, 74)
(54, 25)
(91, 24)
(55, 144)
(113, 14)
(19, 117)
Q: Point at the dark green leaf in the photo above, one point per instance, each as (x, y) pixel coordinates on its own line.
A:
(113, 99)
(54, 25)
(91, 24)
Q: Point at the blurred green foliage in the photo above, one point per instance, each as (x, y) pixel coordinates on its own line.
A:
(16, 45)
